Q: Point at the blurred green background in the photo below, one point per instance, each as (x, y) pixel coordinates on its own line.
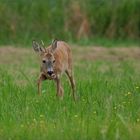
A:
(23, 20)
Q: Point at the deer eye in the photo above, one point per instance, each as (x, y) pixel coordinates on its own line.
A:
(53, 61)
(43, 61)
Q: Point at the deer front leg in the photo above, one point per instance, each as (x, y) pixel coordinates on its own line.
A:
(60, 90)
(39, 81)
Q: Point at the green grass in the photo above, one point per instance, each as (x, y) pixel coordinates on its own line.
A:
(106, 42)
(107, 109)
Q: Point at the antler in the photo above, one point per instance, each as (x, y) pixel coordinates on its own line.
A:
(54, 40)
(42, 44)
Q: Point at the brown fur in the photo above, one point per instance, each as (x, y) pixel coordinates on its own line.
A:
(61, 53)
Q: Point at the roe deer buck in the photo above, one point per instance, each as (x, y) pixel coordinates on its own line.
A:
(55, 60)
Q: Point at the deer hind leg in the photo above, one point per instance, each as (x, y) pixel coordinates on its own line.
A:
(39, 81)
(60, 90)
(72, 82)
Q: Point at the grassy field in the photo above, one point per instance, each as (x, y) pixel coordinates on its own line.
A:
(108, 88)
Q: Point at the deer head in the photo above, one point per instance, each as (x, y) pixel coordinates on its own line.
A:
(47, 55)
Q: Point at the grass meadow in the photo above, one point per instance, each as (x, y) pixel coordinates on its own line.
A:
(107, 78)
(107, 86)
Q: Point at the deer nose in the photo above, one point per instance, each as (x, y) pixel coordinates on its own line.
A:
(50, 72)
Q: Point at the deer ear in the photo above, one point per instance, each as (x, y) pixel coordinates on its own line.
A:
(37, 47)
(54, 45)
